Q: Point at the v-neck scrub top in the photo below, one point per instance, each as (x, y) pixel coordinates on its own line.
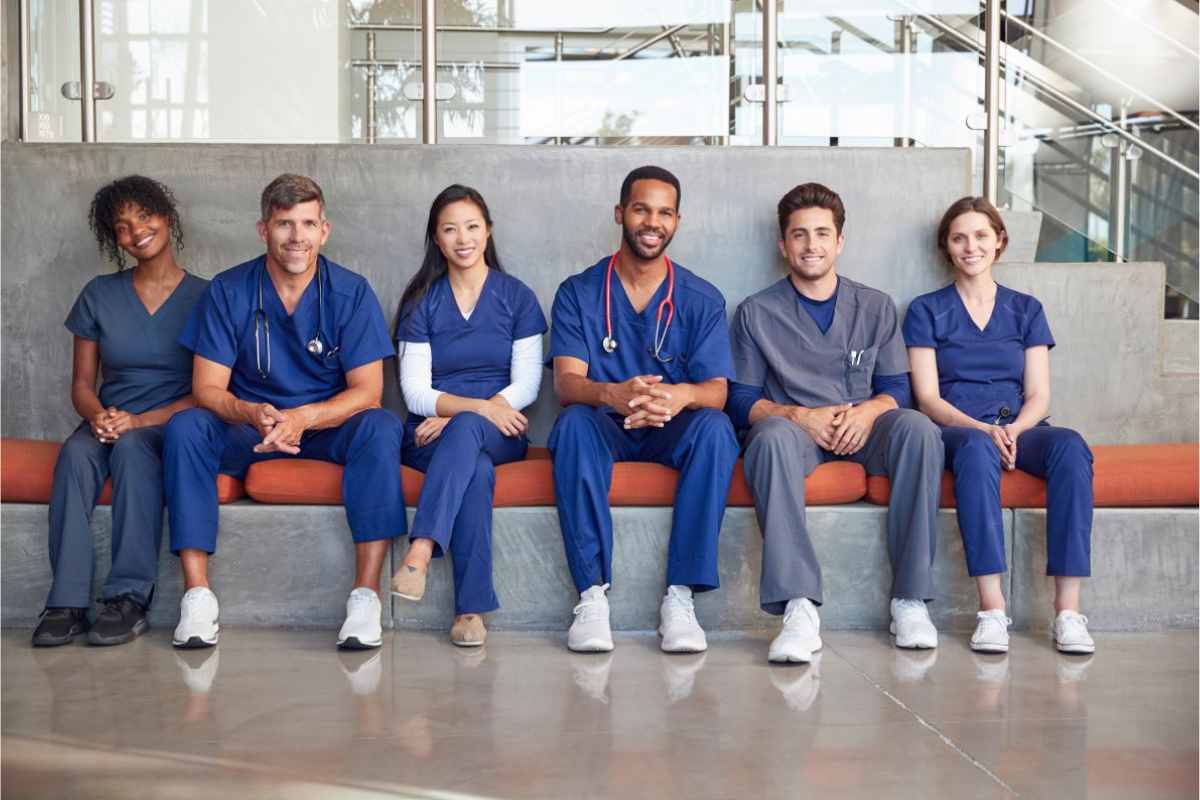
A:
(980, 372)
(222, 329)
(696, 343)
(472, 355)
(142, 365)
(780, 347)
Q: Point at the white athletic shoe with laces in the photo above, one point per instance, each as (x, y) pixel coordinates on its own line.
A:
(991, 632)
(801, 634)
(590, 632)
(198, 612)
(680, 631)
(1071, 633)
(911, 624)
(362, 629)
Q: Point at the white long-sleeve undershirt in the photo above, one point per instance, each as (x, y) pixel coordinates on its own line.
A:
(416, 375)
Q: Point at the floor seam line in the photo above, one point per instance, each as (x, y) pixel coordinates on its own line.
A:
(946, 740)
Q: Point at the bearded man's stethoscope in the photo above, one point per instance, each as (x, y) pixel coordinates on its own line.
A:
(610, 344)
(314, 345)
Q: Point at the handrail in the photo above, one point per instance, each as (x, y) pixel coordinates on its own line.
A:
(1159, 104)
(1125, 13)
(1061, 97)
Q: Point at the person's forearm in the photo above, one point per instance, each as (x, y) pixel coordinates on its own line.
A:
(1033, 411)
(572, 389)
(159, 416)
(86, 403)
(946, 415)
(224, 404)
(881, 403)
(450, 404)
(707, 394)
(339, 408)
(765, 408)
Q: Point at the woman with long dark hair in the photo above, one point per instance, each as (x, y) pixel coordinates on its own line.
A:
(980, 358)
(126, 325)
(470, 343)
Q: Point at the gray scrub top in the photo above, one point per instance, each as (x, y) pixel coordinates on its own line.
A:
(778, 346)
(142, 365)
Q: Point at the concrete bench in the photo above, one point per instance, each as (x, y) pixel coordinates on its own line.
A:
(285, 558)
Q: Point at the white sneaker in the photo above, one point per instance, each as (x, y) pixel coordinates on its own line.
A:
(801, 634)
(362, 629)
(590, 632)
(198, 612)
(991, 632)
(911, 624)
(1071, 633)
(680, 631)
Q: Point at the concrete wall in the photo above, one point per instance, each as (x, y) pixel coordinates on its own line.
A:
(553, 213)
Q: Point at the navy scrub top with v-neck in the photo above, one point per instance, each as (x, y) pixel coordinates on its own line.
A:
(696, 343)
(472, 357)
(222, 329)
(980, 372)
(142, 365)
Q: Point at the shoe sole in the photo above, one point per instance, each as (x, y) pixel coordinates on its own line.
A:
(466, 644)
(789, 659)
(911, 645)
(415, 598)
(354, 643)
(591, 647)
(56, 641)
(989, 648)
(1076, 649)
(100, 640)
(196, 643)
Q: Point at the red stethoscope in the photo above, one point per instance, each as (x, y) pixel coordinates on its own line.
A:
(609, 343)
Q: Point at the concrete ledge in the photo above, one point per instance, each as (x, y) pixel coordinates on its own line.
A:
(274, 565)
(293, 566)
(1144, 570)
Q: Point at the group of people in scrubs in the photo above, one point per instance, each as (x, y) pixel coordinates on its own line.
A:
(282, 357)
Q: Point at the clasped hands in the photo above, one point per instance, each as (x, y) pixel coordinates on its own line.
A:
(842, 429)
(280, 430)
(646, 402)
(507, 420)
(108, 425)
(1005, 439)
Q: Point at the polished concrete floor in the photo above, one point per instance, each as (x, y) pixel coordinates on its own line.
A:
(281, 714)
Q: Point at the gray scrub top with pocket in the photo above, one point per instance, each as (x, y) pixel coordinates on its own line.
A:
(142, 364)
(778, 346)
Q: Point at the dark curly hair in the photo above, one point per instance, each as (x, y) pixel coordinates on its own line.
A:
(112, 199)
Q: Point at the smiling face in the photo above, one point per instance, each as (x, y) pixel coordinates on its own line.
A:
(141, 233)
(649, 218)
(973, 244)
(462, 234)
(811, 243)
(294, 236)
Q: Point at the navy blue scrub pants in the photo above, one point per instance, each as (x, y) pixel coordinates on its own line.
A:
(1062, 458)
(455, 508)
(199, 445)
(135, 463)
(585, 443)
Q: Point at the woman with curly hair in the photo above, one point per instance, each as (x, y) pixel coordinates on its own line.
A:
(126, 324)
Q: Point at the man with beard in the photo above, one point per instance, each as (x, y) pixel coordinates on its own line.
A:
(641, 358)
(822, 375)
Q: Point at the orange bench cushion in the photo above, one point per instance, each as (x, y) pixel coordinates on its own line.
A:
(27, 474)
(1156, 475)
(531, 483)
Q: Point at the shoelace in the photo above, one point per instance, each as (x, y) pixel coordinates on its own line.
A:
(1074, 624)
(118, 606)
(359, 602)
(993, 626)
(678, 606)
(908, 608)
(588, 610)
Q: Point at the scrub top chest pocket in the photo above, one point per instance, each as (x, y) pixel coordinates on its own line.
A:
(860, 367)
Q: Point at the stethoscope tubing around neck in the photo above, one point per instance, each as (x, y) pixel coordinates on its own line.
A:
(314, 345)
(660, 336)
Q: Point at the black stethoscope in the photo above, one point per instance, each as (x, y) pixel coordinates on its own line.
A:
(610, 344)
(314, 345)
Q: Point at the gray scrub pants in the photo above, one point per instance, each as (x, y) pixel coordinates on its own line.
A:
(135, 463)
(904, 445)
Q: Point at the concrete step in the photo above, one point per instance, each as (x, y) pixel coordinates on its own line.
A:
(293, 566)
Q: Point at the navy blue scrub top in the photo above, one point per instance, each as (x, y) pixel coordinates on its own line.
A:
(980, 372)
(473, 357)
(141, 364)
(696, 347)
(223, 326)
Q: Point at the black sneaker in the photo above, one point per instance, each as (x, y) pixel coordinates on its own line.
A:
(59, 626)
(121, 619)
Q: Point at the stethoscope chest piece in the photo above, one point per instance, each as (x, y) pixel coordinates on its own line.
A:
(609, 344)
(315, 346)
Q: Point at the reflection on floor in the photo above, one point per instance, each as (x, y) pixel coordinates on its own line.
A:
(283, 714)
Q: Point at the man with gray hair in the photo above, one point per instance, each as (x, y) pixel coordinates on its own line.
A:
(288, 361)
